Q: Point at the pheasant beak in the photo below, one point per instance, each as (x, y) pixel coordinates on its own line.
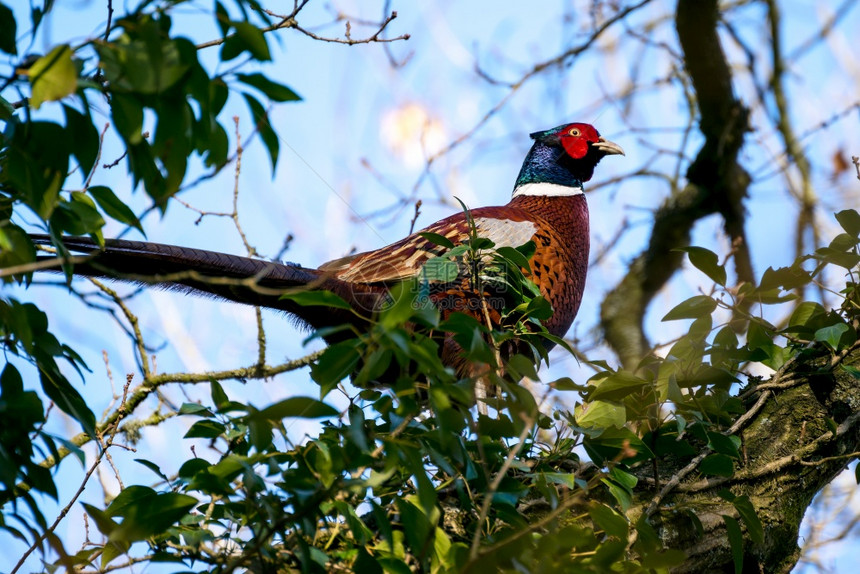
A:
(607, 147)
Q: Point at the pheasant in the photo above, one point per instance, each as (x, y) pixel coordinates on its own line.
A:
(547, 207)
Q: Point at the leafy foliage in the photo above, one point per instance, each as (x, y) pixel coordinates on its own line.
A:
(165, 106)
(410, 477)
(407, 477)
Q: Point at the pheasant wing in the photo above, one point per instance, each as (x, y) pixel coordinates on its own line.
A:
(404, 259)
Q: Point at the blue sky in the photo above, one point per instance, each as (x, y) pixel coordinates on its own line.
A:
(348, 150)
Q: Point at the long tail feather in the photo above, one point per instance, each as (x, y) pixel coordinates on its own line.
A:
(232, 277)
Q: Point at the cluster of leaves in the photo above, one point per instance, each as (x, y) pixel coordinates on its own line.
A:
(149, 80)
(677, 405)
(409, 477)
(699, 369)
(406, 477)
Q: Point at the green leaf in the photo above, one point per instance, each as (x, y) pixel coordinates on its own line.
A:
(64, 395)
(458, 251)
(113, 550)
(843, 242)
(693, 308)
(562, 478)
(150, 515)
(317, 299)
(356, 525)
(416, 525)
(36, 162)
(522, 366)
(617, 386)
(15, 246)
(724, 444)
(736, 542)
(7, 110)
(296, 407)
(205, 429)
(146, 62)
(273, 90)
(260, 433)
(125, 501)
(851, 370)
(364, 562)
(663, 560)
(620, 485)
(707, 262)
(567, 384)
(127, 115)
(848, 260)
(114, 207)
(621, 496)
(195, 409)
(612, 523)
(538, 308)
(805, 313)
(106, 526)
(437, 239)
(514, 256)
(439, 270)
(400, 305)
(607, 554)
(53, 76)
(616, 444)
(81, 130)
(496, 428)
(8, 30)
(337, 362)
(831, 334)
(744, 506)
(102, 519)
(600, 414)
(849, 219)
(252, 40)
(153, 467)
(74, 449)
(222, 17)
(264, 127)
(374, 366)
(717, 465)
(625, 479)
(219, 397)
(191, 467)
(760, 339)
(787, 278)
(700, 329)
(84, 213)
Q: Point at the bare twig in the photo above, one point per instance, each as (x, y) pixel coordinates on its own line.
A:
(415, 217)
(289, 21)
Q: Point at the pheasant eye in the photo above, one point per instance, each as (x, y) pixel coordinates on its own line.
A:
(575, 132)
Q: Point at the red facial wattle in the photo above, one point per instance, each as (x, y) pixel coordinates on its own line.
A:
(576, 137)
(576, 147)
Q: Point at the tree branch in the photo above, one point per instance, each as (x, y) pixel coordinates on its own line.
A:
(716, 184)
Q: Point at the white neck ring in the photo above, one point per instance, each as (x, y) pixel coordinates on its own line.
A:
(547, 190)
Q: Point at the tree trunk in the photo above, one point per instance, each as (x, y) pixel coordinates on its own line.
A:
(803, 430)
